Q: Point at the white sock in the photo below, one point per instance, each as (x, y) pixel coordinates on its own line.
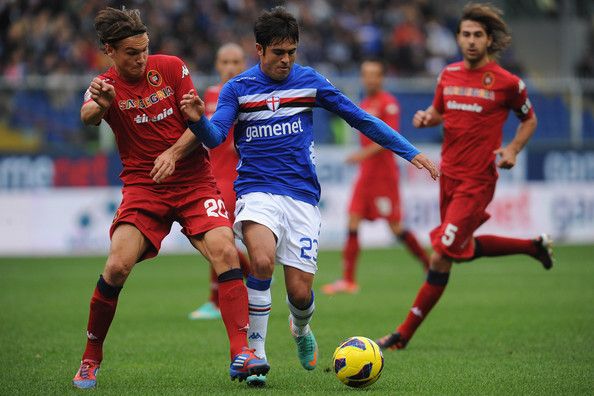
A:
(300, 318)
(259, 304)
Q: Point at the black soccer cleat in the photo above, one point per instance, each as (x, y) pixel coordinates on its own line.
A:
(392, 341)
(544, 245)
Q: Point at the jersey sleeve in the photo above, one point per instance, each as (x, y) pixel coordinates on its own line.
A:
(517, 99)
(214, 131)
(377, 130)
(438, 97)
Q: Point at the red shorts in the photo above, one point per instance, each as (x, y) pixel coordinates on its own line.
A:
(372, 200)
(154, 209)
(462, 207)
(228, 194)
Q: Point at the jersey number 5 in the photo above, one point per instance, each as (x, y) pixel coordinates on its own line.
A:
(449, 234)
(215, 208)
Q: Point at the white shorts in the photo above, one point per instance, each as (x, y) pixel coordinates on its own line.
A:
(295, 224)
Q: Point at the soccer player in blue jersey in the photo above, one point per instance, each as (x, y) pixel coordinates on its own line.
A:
(277, 216)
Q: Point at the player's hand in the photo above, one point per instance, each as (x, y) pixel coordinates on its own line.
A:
(354, 158)
(101, 92)
(192, 106)
(507, 158)
(420, 161)
(422, 119)
(164, 166)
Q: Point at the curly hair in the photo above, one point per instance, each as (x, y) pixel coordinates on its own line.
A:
(113, 25)
(491, 18)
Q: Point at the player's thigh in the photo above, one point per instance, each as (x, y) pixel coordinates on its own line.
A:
(218, 247)
(261, 243)
(127, 247)
(149, 211)
(465, 213)
(299, 244)
(199, 209)
(298, 284)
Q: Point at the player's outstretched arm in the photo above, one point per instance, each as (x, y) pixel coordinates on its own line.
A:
(427, 118)
(102, 94)
(420, 161)
(508, 154)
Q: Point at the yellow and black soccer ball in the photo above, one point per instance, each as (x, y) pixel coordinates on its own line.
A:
(358, 362)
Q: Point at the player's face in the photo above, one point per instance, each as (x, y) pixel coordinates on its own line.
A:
(474, 41)
(372, 77)
(278, 59)
(230, 62)
(129, 56)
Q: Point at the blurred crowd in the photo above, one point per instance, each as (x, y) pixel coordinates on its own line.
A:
(57, 36)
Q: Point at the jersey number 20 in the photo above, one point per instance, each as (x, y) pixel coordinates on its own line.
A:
(215, 208)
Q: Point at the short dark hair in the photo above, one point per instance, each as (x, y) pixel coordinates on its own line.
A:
(275, 26)
(113, 25)
(491, 18)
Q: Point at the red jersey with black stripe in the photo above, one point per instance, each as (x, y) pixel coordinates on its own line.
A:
(146, 120)
(380, 166)
(475, 104)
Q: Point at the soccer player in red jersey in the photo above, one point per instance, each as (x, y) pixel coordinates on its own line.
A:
(229, 63)
(375, 194)
(472, 100)
(139, 98)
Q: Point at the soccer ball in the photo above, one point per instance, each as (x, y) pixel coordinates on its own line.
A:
(358, 362)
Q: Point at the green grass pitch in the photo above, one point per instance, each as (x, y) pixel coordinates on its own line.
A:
(503, 326)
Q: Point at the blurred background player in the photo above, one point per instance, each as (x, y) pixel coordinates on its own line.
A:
(277, 214)
(138, 97)
(230, 62)
(375, 193)
(472, 99)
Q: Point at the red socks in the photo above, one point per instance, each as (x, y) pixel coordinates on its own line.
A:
(233, 301)
(244, 263)
(492, 245)
(350, 254)
(409, 239)
(101, 313)
(427, 297)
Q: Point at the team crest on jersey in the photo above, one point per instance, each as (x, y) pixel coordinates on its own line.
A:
(154, 78)
(273, 103)
(488, 80)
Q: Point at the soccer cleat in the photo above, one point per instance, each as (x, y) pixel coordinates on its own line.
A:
(206, 311)
(392, 341)
(86, 376)
(256, 381)
(307, 347)
(544, 244)
(340, 286)
(246, 364)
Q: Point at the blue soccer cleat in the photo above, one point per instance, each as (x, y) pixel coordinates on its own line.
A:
(247, 364)
(86, 376)
(307, 347)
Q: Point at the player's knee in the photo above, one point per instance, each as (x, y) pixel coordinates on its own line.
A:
(117, 269)
(440, 263)
(262, 265)
(299, 297)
